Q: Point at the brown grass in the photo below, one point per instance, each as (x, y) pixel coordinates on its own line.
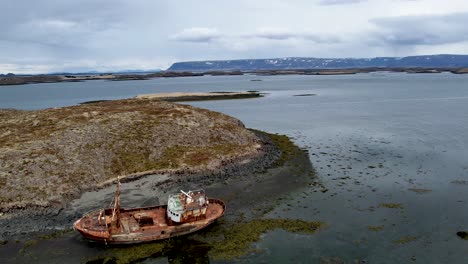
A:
(48, 154)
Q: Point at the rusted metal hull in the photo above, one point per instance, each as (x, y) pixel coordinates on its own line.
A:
(140, 225)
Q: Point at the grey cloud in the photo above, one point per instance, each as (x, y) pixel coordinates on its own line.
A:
(273, 35)
(421, 30)
(316, 38)
(62, 33)
(340, 2)
(69, 35)
(56, 26)
(323, 39)
(196, 34)
(207, 35)
(283, 34)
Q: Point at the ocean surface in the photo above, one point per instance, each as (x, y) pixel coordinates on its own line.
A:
(377, 140)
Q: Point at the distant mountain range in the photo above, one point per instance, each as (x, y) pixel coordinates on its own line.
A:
(429, 61)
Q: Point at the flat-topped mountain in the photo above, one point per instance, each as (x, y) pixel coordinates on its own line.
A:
(429, 61)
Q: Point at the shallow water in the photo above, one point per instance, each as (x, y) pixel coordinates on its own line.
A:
(373, 138)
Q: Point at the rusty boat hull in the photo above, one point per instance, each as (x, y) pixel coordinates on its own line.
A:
(139, 225)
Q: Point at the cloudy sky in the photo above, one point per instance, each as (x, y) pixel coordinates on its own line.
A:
(64, 35)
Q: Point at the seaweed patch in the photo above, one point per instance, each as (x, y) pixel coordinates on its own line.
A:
(405, 240)
(463, 235)
(375, 228)
(237, 239)
(391, 205)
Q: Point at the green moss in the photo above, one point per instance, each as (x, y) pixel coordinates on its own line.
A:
(238, 239)
(28, 244)
(55, 234)
(137, 160)
(405, 240)
(134, 253)
(130, 254)
(391, 205)
(375, 228)
(102, 260)
(285, 145)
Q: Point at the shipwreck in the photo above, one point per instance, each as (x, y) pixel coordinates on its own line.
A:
(186, 212)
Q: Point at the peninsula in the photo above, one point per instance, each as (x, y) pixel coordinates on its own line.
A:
(181, 97)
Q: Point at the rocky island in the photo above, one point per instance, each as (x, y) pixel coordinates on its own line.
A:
(50, 155)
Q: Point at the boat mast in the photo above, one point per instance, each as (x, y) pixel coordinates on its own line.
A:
(116, 212)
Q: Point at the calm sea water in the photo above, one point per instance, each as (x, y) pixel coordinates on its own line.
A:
(379, 138)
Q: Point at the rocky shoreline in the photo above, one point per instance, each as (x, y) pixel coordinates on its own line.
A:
(17, 223)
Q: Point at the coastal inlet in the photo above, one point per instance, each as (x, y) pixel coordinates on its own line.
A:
(158, 147)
